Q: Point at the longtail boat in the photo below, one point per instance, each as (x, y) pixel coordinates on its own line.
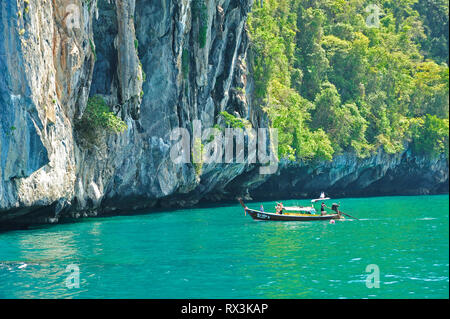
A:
(293, 213)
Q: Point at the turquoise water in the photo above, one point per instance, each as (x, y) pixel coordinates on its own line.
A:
(221, 253)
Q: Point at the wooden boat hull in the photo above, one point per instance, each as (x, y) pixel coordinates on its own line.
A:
(258, 215)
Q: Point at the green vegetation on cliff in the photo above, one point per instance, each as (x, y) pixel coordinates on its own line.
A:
(200, 12)
(332, 82)
(233, 121)
(98, 116)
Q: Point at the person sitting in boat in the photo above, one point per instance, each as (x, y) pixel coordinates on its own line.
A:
(335, 207)
(281, 208)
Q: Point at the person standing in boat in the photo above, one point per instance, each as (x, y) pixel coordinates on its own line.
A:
(322, 209)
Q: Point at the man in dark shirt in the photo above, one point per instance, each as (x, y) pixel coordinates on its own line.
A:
(322, 209)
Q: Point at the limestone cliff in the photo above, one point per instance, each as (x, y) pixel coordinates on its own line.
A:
(159, 64)
(403, 173)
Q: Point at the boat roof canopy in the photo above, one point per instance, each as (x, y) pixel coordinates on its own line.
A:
(299, 209)
(322, 197)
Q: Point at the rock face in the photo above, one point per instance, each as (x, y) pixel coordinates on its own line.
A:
(160, 65)
(381, 174)
(46, 71)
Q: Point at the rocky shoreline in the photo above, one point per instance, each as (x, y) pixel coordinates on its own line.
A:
(346, 176)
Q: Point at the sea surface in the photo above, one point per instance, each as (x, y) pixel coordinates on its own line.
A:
(218, 252)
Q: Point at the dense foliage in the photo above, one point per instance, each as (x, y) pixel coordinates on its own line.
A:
(98, 116)
(336, 75)
(233, 121)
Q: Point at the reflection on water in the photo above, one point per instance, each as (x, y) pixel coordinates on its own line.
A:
(42, 258)
(220, 253)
